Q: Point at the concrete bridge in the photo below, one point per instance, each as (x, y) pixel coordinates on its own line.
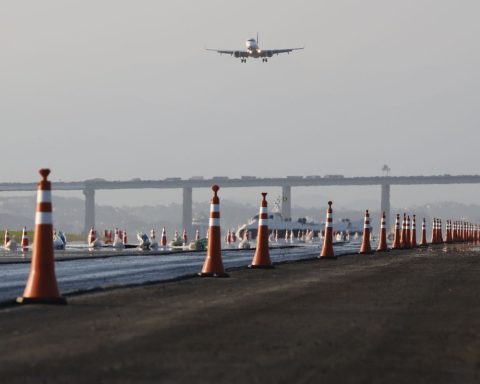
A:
(286, 184)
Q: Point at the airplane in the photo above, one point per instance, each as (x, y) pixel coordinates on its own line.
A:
(253, 51)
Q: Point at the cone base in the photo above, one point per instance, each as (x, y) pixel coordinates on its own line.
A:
(211, 274)
(382, 250)
(327, 257)
(259, 266)
(366, 253)
(42, 300)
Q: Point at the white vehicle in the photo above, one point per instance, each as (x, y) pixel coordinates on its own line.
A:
(253, 51)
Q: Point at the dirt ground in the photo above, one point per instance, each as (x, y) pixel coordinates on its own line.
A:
(400, 317)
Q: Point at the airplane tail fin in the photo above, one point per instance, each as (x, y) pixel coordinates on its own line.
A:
(257, 39)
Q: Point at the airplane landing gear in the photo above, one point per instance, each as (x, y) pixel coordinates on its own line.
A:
(265, 60)
(243, 60)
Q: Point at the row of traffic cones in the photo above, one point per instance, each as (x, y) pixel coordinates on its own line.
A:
(10, 243)
(42, 285)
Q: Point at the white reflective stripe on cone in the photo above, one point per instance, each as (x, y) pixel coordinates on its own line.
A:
(43, 218)
(44, 196)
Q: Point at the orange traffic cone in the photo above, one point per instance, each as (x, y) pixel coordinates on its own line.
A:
(6, 238)
(413, 238)
(423, 239)
(92, 235)
(125, 238)
(327, 248)
(365, 248)
(408, 234)
(448, 234)
(434, 239)
(184, 237)
(42, 283)
(403, 233)
(213, 266)
(382, 245)
(261, 259)
(163, 240)
(396, 239)
(24, 242)
(440, 231)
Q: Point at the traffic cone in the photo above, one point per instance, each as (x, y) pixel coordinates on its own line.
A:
(448, 234)
(197, 235)
(213, 266)
(6, 239)
(365, 248)
(396, 239)
(261, 259)
(184, 237)
(163, 240)
(408, 234)
(434, 228)
(42, 283)
(125, 238)
(440, 231)
(403, 233)
(413, 237)
(327, 248)
(24, 242)
(91, 236)
(382, 245)
(423, 239)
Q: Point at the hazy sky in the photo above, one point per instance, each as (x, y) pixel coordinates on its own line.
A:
(122, 89)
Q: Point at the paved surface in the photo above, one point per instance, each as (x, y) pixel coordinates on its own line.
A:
(401, 317)
(86, 271)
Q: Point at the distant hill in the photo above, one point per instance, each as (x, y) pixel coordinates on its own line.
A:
(15, 212)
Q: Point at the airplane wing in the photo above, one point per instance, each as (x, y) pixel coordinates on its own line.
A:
(271, 52)
(225, 52)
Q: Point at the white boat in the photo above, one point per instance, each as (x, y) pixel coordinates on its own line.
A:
(307, 227)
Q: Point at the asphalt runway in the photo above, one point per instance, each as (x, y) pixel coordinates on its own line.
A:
(82, 270)
(398, 317)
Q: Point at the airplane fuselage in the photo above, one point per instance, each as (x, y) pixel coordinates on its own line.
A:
(253, 49)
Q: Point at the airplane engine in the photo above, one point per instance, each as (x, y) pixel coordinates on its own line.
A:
(236, 54)
(269, 54)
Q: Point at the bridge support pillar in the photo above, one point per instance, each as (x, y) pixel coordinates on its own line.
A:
(385, 204)
(89, 209)
(287, 202)
(187, 212)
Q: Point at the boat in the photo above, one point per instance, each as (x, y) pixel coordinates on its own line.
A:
(283, 228)
(280, 225)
